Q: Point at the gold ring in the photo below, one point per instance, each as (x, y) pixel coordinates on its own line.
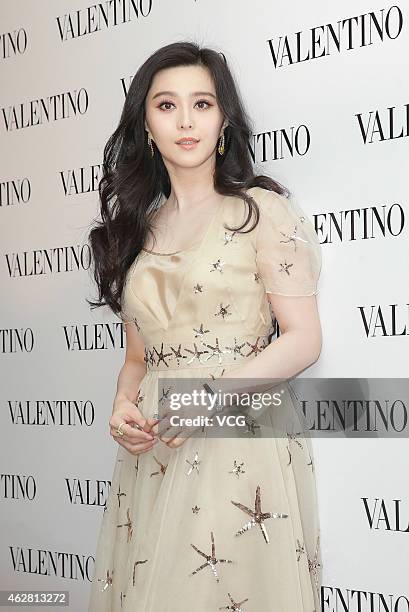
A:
(119, 430)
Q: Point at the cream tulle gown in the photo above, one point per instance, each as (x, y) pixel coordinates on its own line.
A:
(169, 512)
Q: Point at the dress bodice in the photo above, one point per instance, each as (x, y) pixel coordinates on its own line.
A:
(218, 288)
(214, 285)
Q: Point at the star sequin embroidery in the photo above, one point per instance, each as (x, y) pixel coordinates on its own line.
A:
(314, 565)
(134, 568)
(196, 354)
(300, 549)
(293, 436)
(177, 354)
(198, 288)
(255, 348)
(251, 425)
(165, 395)
(237, 469)
(236, 349)
(217, 266)
(216, 351)
(193, 465)
(199, 333)
(195, 509)
(162, 356)
(292, 238)
(128, 525)
(139, 398)
(257, 516)
(235, 606)
(162, 467)
(119, 495)
(228, 237)
(223, 311)
(285, 267)
(107, 581)
(211, 560)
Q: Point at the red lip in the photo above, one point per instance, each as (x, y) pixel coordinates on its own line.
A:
(186, 139)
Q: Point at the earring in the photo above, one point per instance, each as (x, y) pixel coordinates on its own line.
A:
(221, 144)
(150, 144)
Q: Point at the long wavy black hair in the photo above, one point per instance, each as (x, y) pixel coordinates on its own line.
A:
(133, 182)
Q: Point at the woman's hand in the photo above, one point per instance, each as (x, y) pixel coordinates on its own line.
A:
(171, 435)
(137, 436)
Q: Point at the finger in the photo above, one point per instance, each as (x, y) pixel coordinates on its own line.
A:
(150, 425)
(137, 448)
(176, 442)
(131, 434)
(168, 438)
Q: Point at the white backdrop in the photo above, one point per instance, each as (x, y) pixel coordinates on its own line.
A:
(345, 113)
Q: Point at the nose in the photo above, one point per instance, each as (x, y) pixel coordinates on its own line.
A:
(185, 119)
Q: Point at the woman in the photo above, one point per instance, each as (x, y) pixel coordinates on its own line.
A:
(200, 522)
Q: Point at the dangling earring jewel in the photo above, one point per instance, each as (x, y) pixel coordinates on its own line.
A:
(150, 144)
(221, 144)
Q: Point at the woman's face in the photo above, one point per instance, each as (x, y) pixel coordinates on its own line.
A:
(181, 103)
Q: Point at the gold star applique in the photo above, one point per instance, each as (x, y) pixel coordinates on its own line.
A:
(195, 509)
(211, 560)
(256, 276)
(198, 288)
(257, 516)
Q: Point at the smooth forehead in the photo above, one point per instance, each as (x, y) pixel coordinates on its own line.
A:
(182, 81)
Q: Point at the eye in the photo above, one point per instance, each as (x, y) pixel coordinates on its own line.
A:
(171, 103)
(204, 102)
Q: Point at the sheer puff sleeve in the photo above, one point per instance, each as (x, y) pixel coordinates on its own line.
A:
(124, 314)
(288, 253)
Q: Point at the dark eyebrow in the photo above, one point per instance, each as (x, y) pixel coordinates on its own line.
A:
(174, 94)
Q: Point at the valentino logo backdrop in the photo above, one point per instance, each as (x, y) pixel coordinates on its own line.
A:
(327, 86)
